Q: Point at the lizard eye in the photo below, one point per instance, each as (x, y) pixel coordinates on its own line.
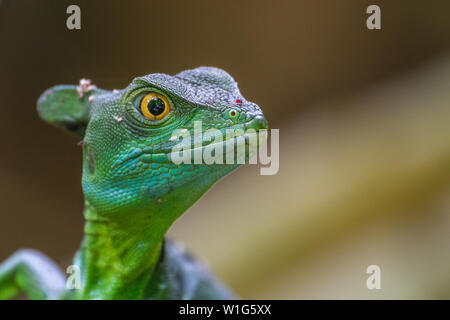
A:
(233, 114)
(154, 106)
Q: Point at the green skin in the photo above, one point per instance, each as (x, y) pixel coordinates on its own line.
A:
(133, 192)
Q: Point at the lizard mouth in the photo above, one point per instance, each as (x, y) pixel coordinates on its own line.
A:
(230, 149)
(249, 140)
(230, 146)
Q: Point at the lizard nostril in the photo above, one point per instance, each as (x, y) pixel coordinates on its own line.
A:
(257, 123)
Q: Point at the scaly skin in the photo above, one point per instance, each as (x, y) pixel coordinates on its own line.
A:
(133, 192)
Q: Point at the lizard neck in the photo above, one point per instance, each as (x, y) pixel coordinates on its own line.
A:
(118, 255)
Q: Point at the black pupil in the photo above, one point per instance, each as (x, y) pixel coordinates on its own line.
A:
(156, 106)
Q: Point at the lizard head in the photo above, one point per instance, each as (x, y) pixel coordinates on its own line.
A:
(128, 137)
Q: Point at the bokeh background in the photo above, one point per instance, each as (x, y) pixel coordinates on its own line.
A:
(364, 136)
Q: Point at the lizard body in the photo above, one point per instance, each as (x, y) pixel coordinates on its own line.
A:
(133, 191)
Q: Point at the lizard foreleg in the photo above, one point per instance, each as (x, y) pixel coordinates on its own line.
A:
(31, 272)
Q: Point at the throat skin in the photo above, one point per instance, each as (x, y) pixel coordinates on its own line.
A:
(117, 257)
(120, 250)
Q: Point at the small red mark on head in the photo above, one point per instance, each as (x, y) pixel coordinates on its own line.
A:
(238, 101)
(80, 143)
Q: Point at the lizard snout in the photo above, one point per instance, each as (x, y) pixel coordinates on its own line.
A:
(257, 123)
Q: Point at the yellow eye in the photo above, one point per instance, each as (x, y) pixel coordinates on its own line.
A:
(154, 106)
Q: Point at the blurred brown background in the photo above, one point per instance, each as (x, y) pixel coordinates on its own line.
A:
(364, 131)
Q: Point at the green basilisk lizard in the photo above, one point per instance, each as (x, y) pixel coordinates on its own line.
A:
(133, 192)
